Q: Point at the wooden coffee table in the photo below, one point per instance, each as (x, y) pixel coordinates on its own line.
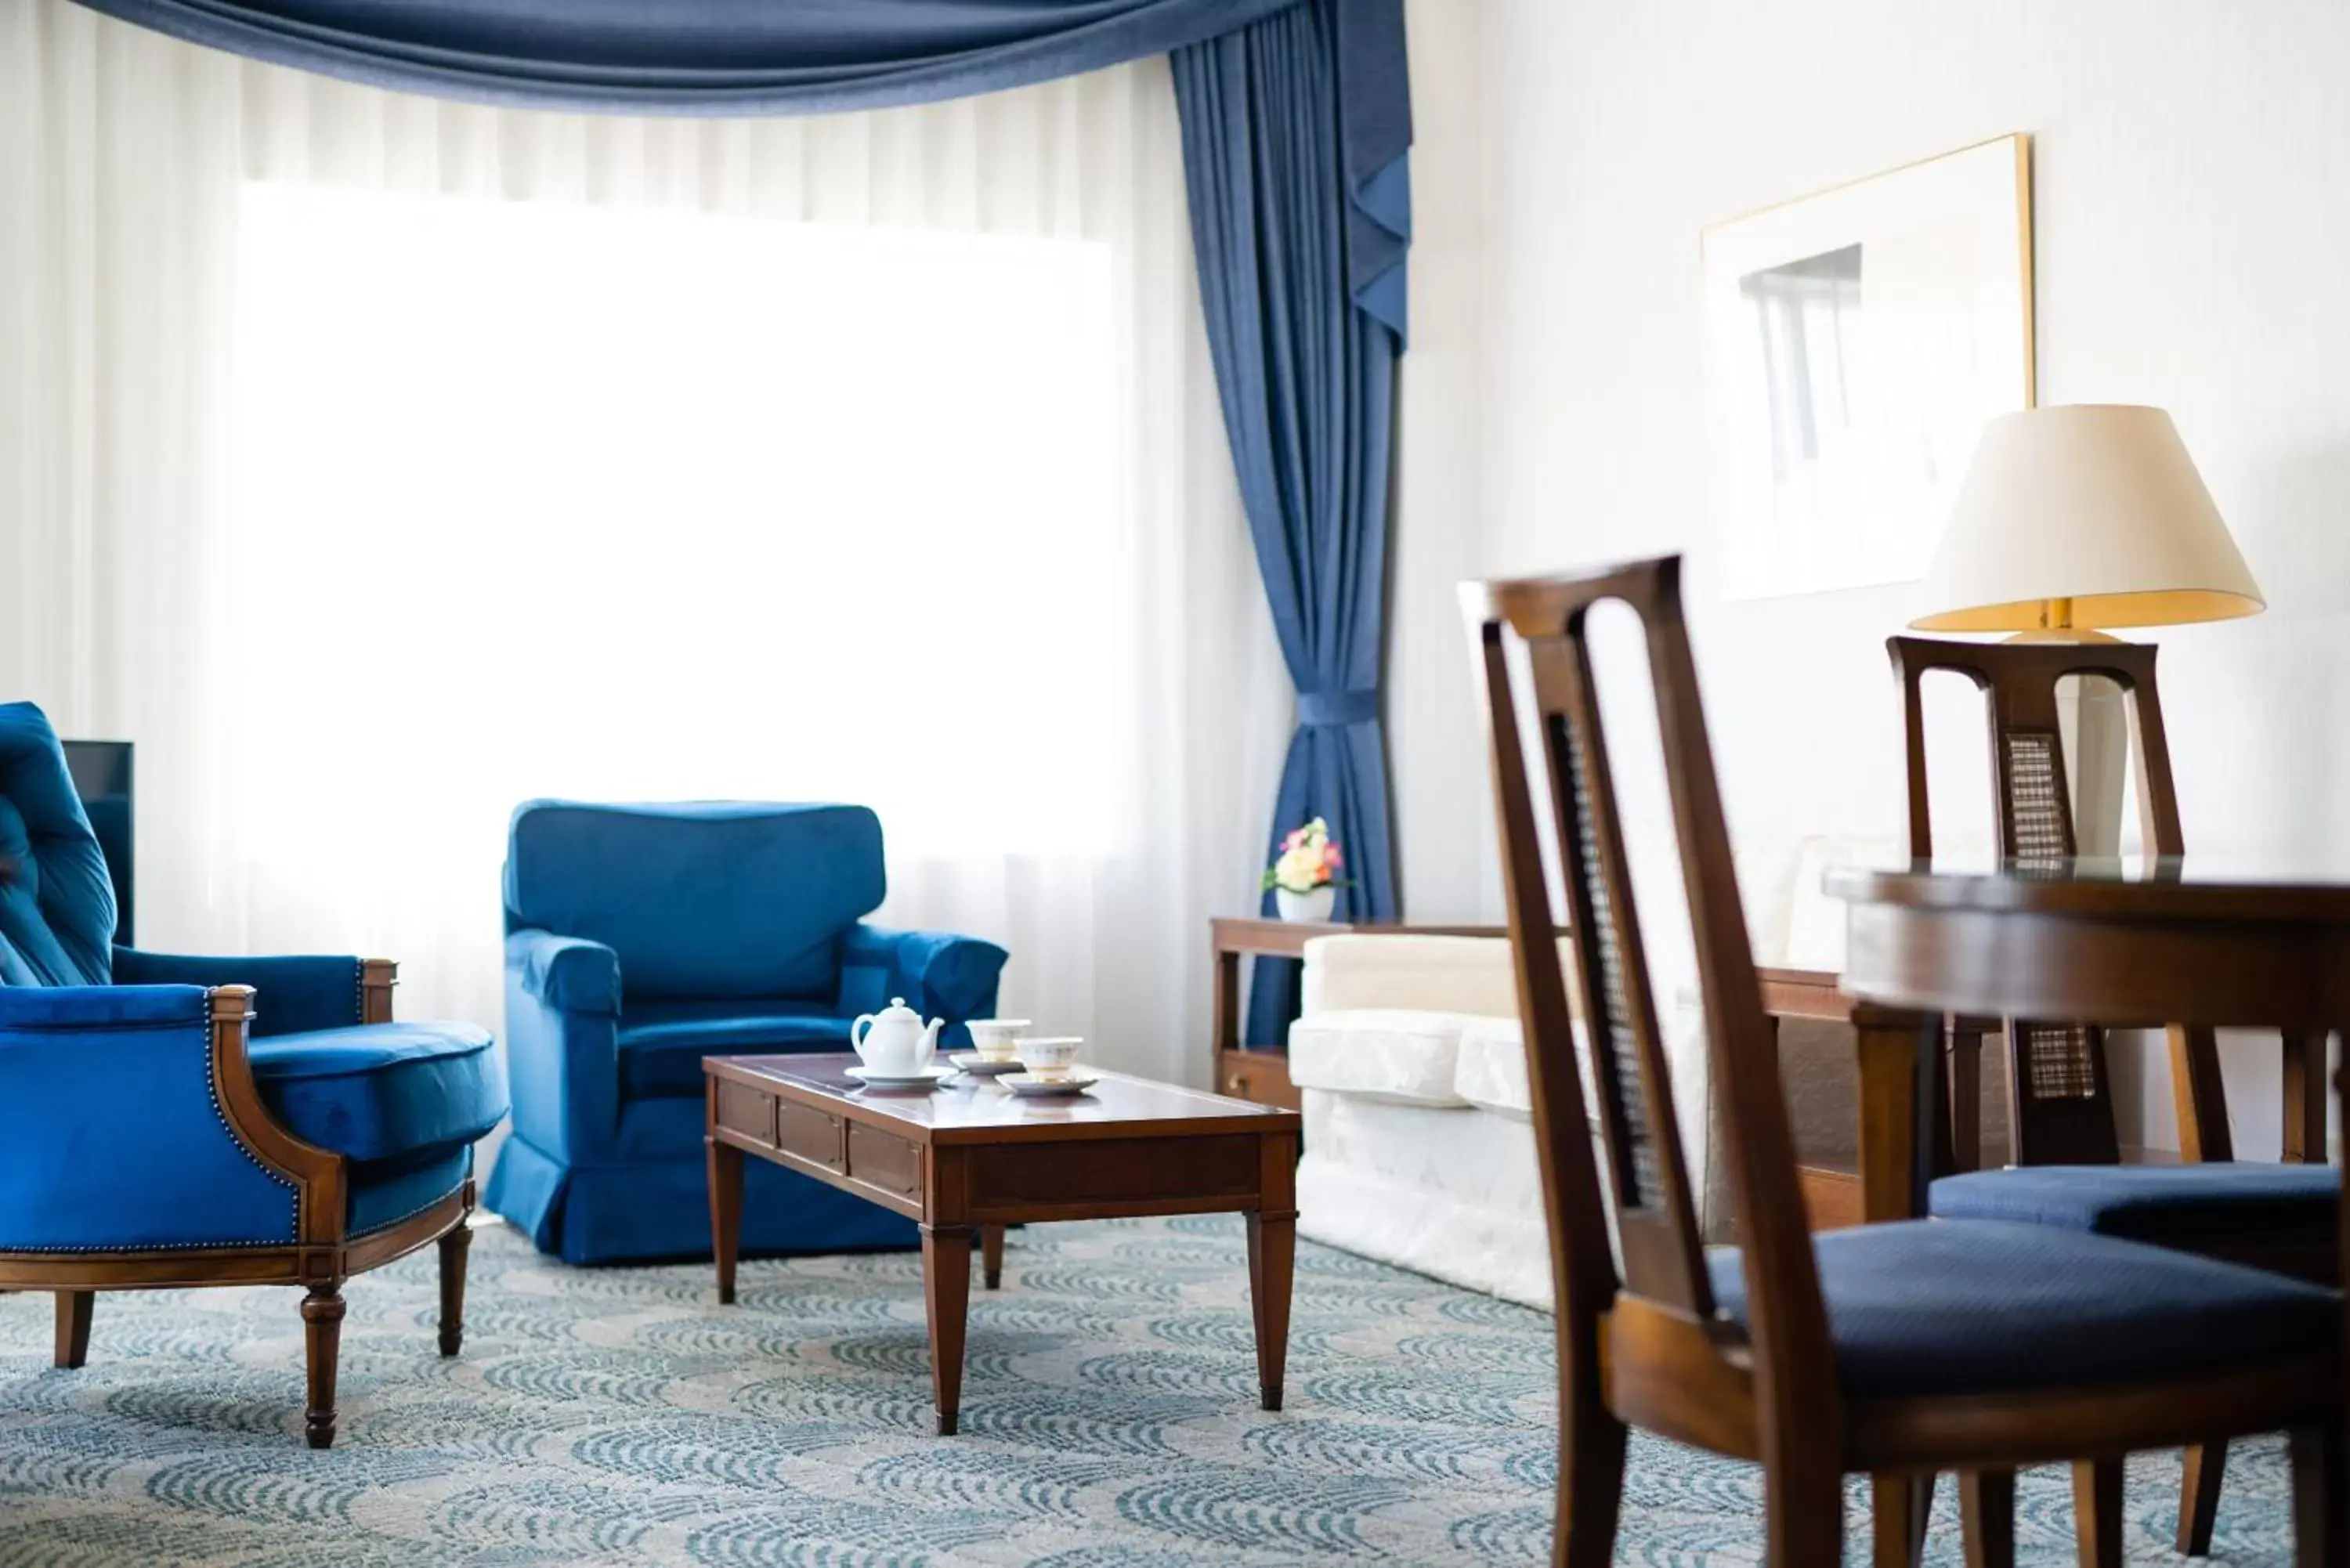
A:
(965, 1160)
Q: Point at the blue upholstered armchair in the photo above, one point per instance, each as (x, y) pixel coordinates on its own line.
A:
(192, 1121)
(640, 939)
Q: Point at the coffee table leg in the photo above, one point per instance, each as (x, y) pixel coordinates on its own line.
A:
(1272, 1254)
(990, 1253)
(946, 1290)
(725, 1213)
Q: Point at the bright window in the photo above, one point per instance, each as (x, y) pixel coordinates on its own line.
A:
(664, 504)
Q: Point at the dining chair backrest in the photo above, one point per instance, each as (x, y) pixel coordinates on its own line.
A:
(2059, 1092)
(1647, 1177)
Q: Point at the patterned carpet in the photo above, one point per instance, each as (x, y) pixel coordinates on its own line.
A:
(1110, 1419)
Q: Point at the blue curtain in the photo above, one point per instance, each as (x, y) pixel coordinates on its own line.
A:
(695, 56)
(1299, 219)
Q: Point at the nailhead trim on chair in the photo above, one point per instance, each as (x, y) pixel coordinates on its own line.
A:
(405, 1218)
(212, 1088)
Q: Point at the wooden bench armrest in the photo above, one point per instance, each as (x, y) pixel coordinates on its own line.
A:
(1818, 995)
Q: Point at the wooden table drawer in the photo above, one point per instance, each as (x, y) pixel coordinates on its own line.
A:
(811, 1135)
(744, 1110)
(878, 1159)
(1260, 1077)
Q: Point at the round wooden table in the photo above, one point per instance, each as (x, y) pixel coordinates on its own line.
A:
(2176, 941)
(2180, 940)
(2188, 940)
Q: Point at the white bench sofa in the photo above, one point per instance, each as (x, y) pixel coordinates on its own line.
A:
(1411, 1064)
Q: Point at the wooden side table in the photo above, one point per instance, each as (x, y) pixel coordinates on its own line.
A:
(1258, 1070)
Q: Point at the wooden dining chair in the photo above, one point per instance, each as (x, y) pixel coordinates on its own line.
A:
(1891, 1350)
(2066, 1167)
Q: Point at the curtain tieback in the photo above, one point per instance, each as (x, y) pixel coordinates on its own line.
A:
(1320, 709)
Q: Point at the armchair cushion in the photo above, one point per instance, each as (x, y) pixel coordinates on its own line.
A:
(2180, 1205)
(705, 898)
(383, 1091)
(1401, 970)
(661, 1044)
(1950, 1306)
(57, 911)
(292, 995)
(1381, 1053)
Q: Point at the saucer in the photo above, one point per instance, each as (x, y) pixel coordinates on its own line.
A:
(1028, 1084)
(980, 1066)
(873, 1079)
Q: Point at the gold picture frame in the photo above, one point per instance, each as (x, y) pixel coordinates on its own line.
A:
(1858, 339)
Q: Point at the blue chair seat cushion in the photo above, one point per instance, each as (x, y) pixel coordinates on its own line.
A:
(1951, 1306)
(2190, 1207)
(661, 1044)
(383, 1091)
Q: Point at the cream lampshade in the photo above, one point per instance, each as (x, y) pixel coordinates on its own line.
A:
(2082, 517)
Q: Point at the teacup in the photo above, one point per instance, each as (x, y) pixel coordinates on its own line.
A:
(998, 1038)
(1049, 1055)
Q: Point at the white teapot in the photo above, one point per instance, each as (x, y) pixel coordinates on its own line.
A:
(895, 1041)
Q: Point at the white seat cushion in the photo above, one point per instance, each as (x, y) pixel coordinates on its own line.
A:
(1492, 1075)
(1380, 1053)
(1493, 1072)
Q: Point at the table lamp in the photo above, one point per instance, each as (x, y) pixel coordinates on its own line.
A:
(2073, 519)
(2083, 516)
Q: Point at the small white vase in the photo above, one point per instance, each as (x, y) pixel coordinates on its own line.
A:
(1309, 907)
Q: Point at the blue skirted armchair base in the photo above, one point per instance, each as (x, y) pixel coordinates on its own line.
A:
(642, 938)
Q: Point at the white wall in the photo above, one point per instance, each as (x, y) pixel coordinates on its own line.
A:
(1441, 848)
(2192, 209)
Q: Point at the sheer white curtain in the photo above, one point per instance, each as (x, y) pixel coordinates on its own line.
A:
(375, 463)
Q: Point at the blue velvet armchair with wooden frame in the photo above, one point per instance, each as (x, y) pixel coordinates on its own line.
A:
(173, 1121)
(640, 939)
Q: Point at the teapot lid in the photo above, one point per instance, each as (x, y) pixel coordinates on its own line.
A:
(896, 1006)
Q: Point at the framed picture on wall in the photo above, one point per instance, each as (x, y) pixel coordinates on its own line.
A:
(1857, 341)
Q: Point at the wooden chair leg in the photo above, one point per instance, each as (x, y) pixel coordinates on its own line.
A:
(1987, 1518)
(1966, 1099)
(322, 1337)
(1898, 1508)
(2305, 1099)
(2098, 1511)
(1590, 1485)
(1802, 1527)
(454, 1248)
(2198, 1498)
(2321, 1499)
(1802, 1516)
(73, 1326)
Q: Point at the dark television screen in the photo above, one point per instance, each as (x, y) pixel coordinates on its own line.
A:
(101, 776)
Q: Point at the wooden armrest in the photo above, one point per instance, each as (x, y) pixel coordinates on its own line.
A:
(377, 979)
(1814, 994)
(1818, 995)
